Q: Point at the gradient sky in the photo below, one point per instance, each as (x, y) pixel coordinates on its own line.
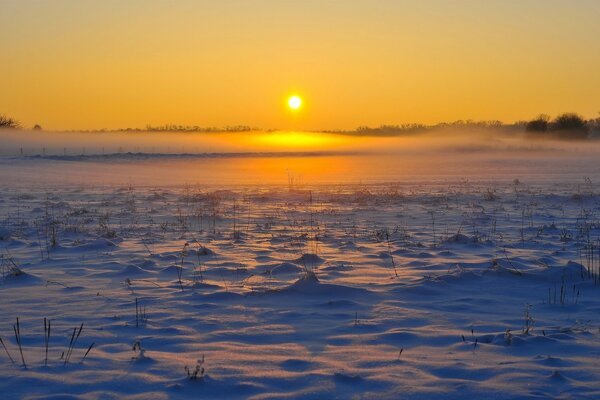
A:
(109, 64)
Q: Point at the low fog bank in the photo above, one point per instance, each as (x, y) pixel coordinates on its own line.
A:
(15, 143)
(278, 158)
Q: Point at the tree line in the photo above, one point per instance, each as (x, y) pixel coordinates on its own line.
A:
(563, 126)
(567, 125)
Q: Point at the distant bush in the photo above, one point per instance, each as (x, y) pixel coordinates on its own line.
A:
(594, 125)
(6, 122)
(540, 124)
(568, 122)
(37, 127)
(564, 126)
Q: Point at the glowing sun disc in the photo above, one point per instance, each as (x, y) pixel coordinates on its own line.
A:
(294, 102)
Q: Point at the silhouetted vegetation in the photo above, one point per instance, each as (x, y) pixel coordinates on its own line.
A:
(391, 130)
(594, 125)
(564, 126)
(6, 122)
(187, 128)
(569, 122)
(540, 124)
(409, 129)
(179, 129)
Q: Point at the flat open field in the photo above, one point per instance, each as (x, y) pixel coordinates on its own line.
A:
(417, 289)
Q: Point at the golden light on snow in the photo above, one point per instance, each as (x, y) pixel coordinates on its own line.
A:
(294, 102)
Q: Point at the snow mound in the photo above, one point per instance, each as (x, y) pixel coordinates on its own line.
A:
(204, 251)
(18, 277)
(459, 238)
(309, 284)
(286, 268)
(307, 280)
(309, 259)
(100, 244)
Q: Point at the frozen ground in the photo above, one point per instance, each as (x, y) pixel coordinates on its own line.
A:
(460, 289)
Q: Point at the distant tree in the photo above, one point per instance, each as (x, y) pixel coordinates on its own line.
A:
(520, 124)
(6, 122)
(540, 124)
(568, 122)
(37, 127)
(569, 126)
(594, 124)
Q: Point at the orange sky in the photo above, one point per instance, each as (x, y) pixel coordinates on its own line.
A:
(111, 64)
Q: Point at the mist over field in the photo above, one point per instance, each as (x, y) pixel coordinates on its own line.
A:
(32, 143)
(276, 157)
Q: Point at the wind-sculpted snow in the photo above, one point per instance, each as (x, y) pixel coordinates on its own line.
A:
(415, 290)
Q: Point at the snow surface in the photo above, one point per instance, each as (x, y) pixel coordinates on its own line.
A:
(454, 289)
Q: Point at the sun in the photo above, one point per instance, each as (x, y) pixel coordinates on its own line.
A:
(294, 102)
